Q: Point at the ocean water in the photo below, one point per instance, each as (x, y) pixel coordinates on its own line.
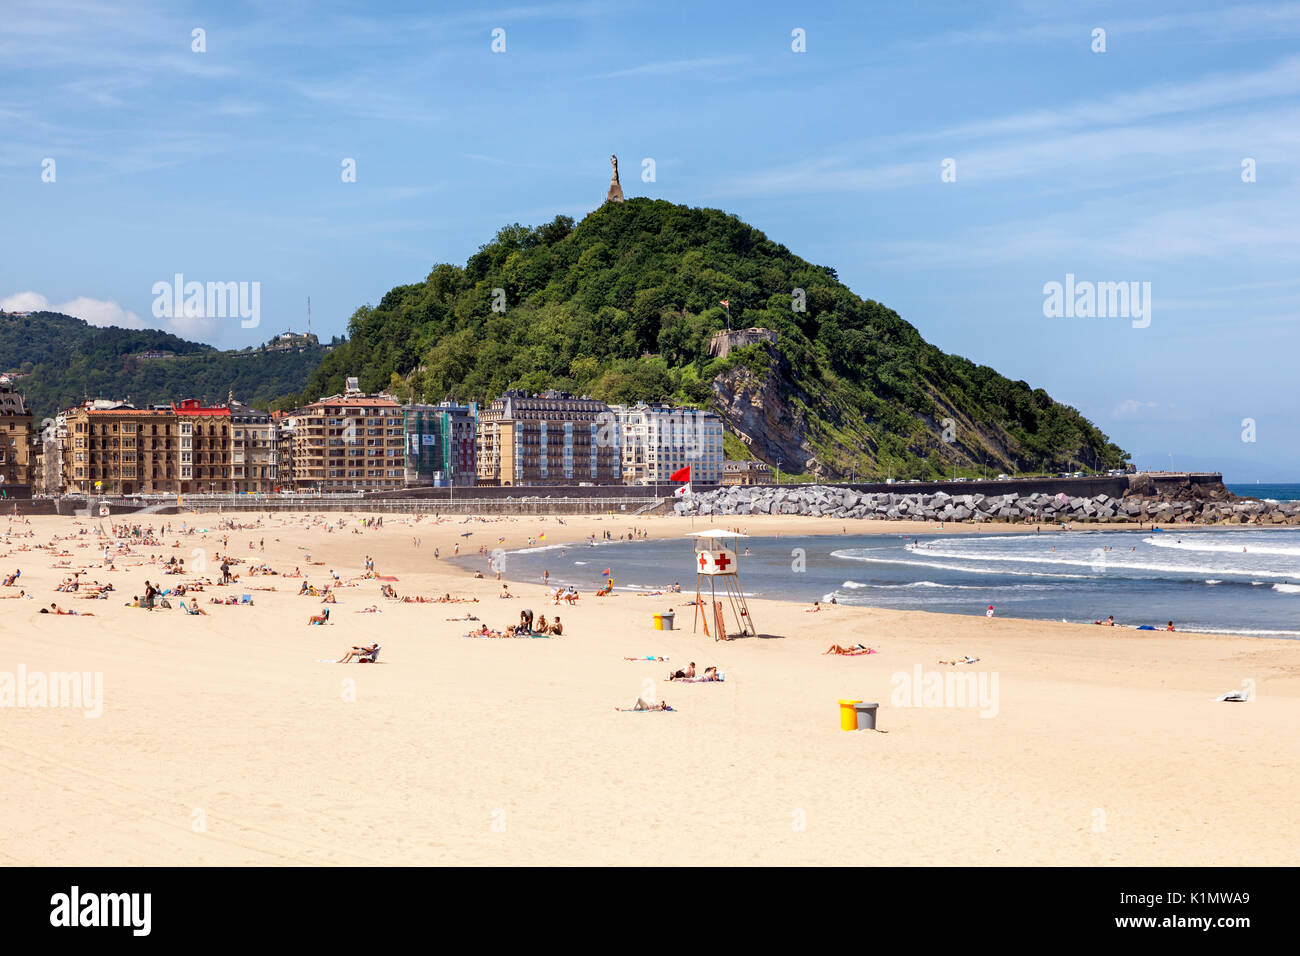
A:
(1235, 581)
(1276, 492)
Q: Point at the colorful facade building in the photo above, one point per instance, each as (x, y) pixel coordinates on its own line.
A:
(441, 444)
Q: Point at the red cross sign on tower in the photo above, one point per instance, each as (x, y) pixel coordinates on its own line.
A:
(717, 562)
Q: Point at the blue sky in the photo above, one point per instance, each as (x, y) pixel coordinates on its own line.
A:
(1122, 166)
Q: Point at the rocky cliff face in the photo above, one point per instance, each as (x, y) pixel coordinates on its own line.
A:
(767, 413)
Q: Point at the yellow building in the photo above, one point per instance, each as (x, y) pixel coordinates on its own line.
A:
(548, 439)
(114, 448)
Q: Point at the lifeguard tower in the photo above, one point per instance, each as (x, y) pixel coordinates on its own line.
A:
(717, 560)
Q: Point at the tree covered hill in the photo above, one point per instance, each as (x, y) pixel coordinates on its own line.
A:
(63, 360)
(622, 306)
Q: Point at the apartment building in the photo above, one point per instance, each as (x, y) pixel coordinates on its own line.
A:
(441, 444)
(254, 450)
(53, 434)
(348, 442)
(203, 447)
(116, 448)
(286, 427)
(658, 440)
(16, 448)
(550, 439)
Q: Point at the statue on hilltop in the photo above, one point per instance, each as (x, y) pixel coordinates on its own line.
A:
(615, 190)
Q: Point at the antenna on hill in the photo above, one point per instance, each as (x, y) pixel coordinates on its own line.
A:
(309, 315)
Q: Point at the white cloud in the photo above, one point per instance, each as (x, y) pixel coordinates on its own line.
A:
(95, 312)
(666, 67)
(1132, 408)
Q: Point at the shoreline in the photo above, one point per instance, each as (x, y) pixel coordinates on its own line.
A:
(1005, 528)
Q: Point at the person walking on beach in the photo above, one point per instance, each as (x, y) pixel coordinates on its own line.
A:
(989, 612)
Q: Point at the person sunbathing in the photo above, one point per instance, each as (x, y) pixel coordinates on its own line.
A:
(816, 607)
(542, 626)
(55, 609)
(192, 609)
(648, 657)
(962, 660)
(321, 618)
(642, 705)
(329, 598)
(373, 609)
(10, 579)
(556, 627)
(684, 674)
(853, 651)
(362, 655)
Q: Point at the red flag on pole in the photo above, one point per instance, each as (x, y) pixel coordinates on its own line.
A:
(681, 474)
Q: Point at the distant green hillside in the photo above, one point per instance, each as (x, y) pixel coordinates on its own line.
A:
(66, 360)
(622, 307)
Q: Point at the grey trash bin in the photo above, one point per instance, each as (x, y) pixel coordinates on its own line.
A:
(866, 714)
(668, 620)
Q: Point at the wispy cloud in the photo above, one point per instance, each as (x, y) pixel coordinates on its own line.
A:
(668, 67)
(1238, 21)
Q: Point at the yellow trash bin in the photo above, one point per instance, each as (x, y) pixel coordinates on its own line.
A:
(659, 622)
(848, 716)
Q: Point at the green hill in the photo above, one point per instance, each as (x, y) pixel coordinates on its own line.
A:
(622, 307)
(63, 360)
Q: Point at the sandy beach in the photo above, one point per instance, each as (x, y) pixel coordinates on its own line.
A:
(224, 741)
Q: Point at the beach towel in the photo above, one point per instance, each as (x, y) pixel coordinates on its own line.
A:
(701, 680)
(385, 577)
(1233, 697)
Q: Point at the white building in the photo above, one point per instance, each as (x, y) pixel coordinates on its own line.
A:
(657, 440)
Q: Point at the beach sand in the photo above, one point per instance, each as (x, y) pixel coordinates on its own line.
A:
(222, 741)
